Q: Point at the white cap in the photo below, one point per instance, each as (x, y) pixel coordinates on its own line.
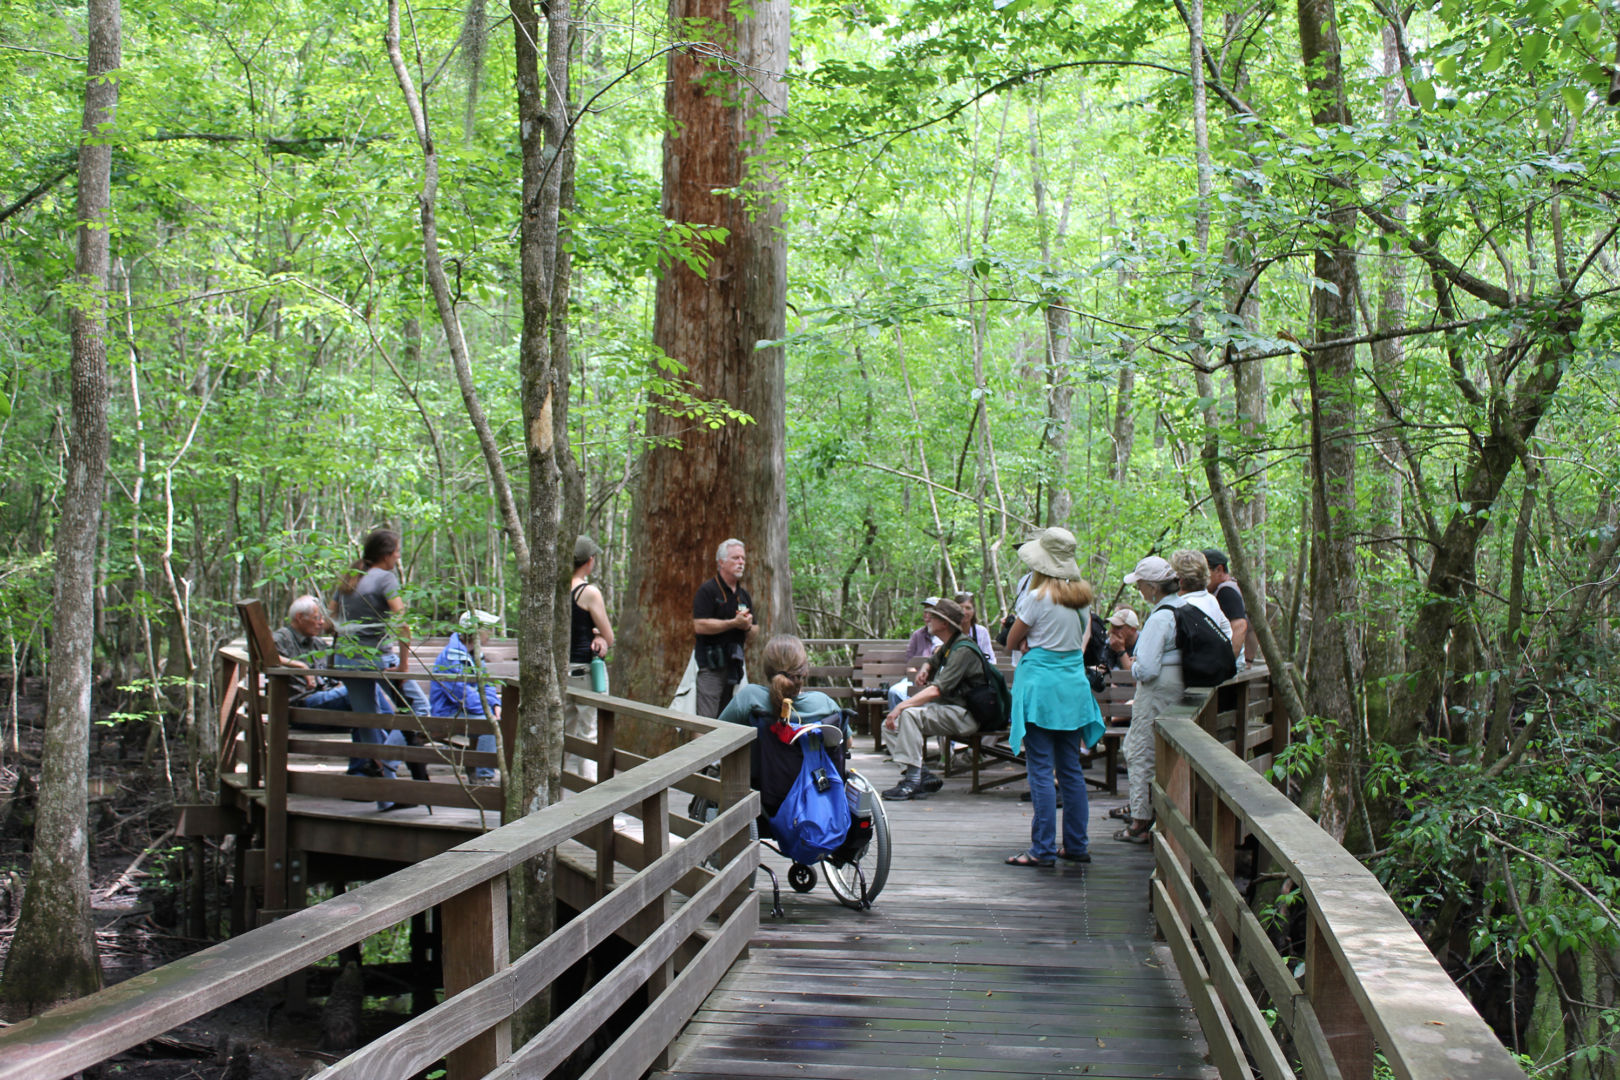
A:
(475, 619)
(1152, 569)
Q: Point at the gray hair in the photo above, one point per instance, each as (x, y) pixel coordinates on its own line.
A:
(1192, 568)
(304, 605)
(725, 546)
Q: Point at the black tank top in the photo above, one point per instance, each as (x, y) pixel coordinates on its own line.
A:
(582, 627)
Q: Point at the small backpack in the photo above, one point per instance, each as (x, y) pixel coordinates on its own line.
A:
(1206, 653)
(990, 701)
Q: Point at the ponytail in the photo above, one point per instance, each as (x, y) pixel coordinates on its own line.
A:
(787, 666)
(380, 544)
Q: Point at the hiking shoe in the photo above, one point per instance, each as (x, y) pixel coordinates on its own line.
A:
(906, 789)
(930, 783)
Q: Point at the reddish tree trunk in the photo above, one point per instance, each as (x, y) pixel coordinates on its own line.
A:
(725, 482)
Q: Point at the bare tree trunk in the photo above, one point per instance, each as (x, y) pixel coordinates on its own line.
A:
(1248, 374)
(1283, 683)
(542, 88)
(433, 262)
(1385, 656)
(53, 956)
(1060, 392)
(1124, 433)
(701, 486)
(1331, 371)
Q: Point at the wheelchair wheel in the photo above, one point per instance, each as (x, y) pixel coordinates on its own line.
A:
(801, 877)
(871, 867)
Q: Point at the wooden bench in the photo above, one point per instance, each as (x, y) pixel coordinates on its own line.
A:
(1115, 704)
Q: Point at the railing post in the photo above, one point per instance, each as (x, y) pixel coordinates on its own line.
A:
(734, 788)
(1346, 1030)
(654, 845)
(1174, 775)
(605, 725)
(474, 932)
(1280, 735)
(275, 798)
(1223, 838)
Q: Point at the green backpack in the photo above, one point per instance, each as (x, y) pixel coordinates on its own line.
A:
(990, 700)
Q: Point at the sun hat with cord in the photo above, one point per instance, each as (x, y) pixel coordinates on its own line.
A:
(1051, 552)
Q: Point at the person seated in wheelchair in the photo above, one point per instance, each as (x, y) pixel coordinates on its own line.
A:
(794, 725)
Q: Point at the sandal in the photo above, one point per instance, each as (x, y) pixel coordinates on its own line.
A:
(1131, 835)
(1082, 857)
(1120, 813)
(1024, 858)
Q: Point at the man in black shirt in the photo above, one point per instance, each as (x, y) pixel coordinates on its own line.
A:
(1230, 597)
(722, 619)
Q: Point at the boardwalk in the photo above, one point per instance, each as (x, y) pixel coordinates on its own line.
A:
(964, 968)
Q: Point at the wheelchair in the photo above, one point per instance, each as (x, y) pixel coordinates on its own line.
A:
(857, 869)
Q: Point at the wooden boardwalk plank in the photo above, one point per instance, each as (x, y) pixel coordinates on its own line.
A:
(965, 967)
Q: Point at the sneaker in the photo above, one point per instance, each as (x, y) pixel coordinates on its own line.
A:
(930, 783)
(906, 789)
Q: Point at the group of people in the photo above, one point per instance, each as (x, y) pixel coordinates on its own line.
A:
(1058, 644)
(1060, 647)
(366, 616)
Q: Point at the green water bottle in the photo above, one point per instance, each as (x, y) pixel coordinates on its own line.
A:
(598, 676)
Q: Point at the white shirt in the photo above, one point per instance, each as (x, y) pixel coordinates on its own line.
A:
(1205, 601)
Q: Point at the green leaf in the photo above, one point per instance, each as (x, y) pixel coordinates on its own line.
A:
(1574, 100)
(1423, 90)
(1535, 47)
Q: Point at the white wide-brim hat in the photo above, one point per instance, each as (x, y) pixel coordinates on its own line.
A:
(1052, 553)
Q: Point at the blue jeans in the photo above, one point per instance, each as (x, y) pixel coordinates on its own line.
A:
(363, 692)
(1046, 750)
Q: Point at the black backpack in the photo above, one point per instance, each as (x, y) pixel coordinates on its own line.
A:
(1206, 653)
(989, 701)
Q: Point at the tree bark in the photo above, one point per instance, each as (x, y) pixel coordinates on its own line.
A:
(702, 486)
(53, 956)
(1060, 389)
(1385, 656)
(1331, 371)
(542, 87)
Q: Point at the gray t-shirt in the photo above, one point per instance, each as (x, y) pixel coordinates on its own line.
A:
(1051, 625)
(363, 613)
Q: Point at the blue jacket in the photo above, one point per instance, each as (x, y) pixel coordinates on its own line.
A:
(459, 698)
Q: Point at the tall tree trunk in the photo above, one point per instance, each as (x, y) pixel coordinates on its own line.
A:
(542, 87)
(1331, 372)
(700, 487)
(1060, 392)
(1248, 374)
(1385, 656)
(433, 262)
(53, 956)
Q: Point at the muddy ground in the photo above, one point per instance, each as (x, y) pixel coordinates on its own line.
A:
(137, 877)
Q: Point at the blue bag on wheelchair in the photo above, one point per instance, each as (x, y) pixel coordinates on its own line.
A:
(814, 816)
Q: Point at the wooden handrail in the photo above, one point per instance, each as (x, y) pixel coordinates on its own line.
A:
(1369, 981)
(92, 1029)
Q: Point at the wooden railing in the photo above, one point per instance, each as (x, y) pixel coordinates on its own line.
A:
(677, 960)
(1369, 983)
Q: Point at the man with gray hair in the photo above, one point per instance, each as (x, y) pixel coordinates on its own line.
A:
(306, 621)
(722, 619)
